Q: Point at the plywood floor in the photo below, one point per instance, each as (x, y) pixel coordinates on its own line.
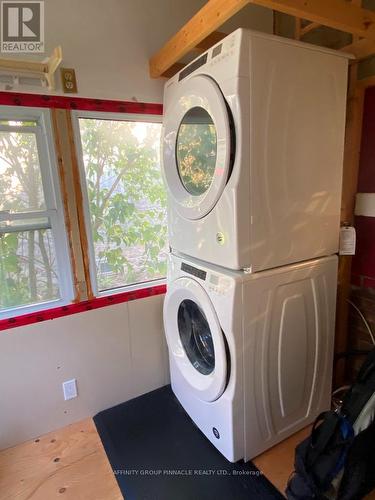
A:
(68, 464)
(71, 464)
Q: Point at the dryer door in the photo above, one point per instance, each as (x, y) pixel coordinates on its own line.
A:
(196, 147)
(195, 339)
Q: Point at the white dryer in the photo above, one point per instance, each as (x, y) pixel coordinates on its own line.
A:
(251, 354)
(252, 145)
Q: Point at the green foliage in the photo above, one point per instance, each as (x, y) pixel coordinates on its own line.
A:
(127, 205)
(127, 200)
(196, 151)
(27, 259)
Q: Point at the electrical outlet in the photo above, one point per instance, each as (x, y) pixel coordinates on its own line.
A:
(69, 81)
(70, 389)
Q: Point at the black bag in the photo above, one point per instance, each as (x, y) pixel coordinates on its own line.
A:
(337, 460)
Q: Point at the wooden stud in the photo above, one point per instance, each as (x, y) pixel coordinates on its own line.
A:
(297, 28)
(353, 135)
(79, 206)
(338, 14)
(210, 17)
(308, 28)
(52, 64)
(64, 195)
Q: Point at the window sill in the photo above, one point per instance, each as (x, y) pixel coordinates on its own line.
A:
(109, 299)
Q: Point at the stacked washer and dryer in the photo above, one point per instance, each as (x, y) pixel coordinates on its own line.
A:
(253, 139)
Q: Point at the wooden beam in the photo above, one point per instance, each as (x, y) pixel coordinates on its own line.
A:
(210, 17)
(353, 134)
(65, 200)
(361, 48)
(210, 40)
(79, 206)
(365, 83)
(45, 70)
(297, 28)
(204, 45)
(338, 14)
(309, 27)
(175, 68)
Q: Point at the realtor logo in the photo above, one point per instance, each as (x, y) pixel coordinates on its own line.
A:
(22, 26)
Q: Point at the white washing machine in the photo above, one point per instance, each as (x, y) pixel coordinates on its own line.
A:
(251, 354)
(253, 140)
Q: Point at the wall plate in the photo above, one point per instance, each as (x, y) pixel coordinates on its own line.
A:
(68, 80)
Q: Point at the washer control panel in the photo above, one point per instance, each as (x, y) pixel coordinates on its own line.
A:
(218, 284)
(194, 271)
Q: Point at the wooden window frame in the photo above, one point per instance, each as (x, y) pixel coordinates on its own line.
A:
(65, 159)
(100, 115)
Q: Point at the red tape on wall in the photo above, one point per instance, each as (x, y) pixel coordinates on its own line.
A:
(81, 103)
(86, 104)
(87, 305)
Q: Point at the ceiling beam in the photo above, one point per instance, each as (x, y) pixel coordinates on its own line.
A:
(210, 17)
(210, 40)
(360, 49)
(175, 68)
(338, 14)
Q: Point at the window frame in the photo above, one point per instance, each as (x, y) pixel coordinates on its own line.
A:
(104, 115)
(54, 209)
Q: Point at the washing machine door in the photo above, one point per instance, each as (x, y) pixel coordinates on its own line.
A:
(196, 147)
(195, 339)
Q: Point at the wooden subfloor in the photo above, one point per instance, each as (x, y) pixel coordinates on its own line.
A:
(71, 464)
(68, 464)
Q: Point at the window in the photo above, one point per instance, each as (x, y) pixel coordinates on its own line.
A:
(125, 198)
(34, 262)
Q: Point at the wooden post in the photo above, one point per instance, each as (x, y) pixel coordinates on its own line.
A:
(353, 134)
(79, 205)
(72, 202)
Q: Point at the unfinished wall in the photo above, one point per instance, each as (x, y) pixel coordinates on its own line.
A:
(115, 353)
(329, 37)
(363, 268)
(109, 43)
(118, 352)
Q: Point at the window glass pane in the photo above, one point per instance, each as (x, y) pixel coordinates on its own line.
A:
(196, 151)
(21, 224)
(28, 271)
(20, 177)
(127, 200)
(19, 123)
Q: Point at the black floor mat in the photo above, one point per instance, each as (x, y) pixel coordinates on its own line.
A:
(157, 453)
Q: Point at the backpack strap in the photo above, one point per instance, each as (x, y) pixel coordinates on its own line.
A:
(321, 435)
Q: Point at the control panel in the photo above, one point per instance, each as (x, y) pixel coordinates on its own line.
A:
(194, 271)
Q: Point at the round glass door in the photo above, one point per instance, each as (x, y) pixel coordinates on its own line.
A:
(196, 151)
(196, 336)
(195, 339)
(197, 145)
